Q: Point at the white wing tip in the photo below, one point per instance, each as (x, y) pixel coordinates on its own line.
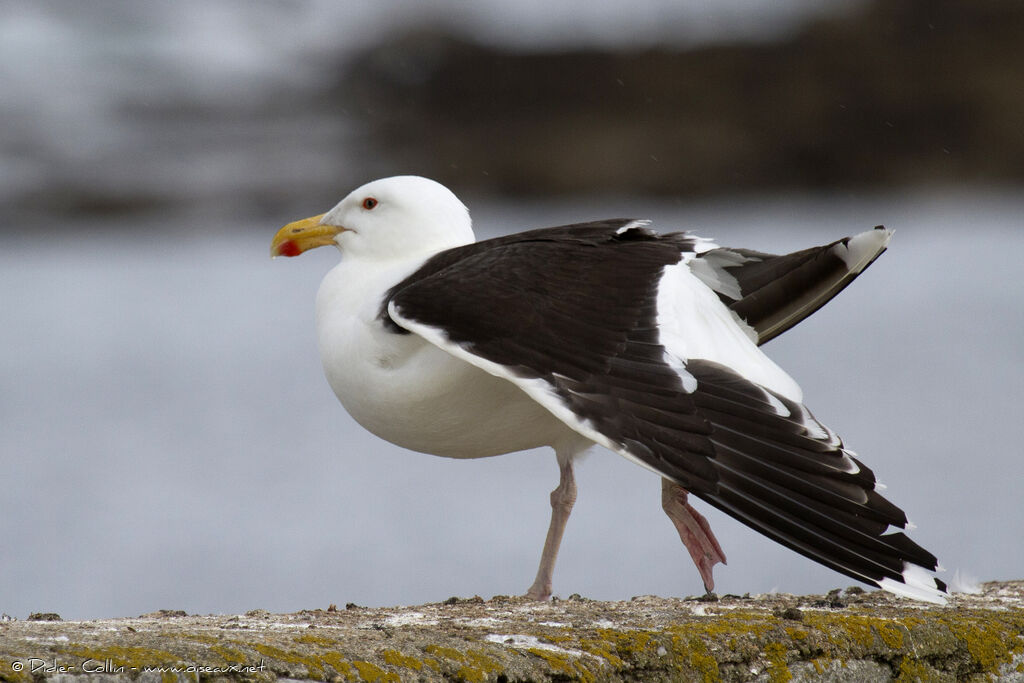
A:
(860, 250)
(703, 244)
(918, 584)
(638, 223)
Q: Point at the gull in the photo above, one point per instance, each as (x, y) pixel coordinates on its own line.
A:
(603, 333)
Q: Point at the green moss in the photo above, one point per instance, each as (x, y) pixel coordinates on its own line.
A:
(371, 673)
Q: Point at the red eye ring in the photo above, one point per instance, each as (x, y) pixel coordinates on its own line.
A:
(369, 203)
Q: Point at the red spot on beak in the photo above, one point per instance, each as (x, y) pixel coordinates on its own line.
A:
(288, 248)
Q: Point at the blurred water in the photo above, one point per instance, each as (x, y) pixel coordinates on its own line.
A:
(167, 439)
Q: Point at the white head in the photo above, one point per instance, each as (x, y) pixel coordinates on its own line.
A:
(387, 218)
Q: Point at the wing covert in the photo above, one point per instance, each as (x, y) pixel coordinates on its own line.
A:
(573, 320)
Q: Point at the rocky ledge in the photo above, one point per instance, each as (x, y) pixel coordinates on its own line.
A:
(849, 635)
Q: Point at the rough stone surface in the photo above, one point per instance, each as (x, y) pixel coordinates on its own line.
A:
(843, 636)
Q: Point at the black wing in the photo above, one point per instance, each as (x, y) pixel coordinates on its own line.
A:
(772, 293)
(571, 316)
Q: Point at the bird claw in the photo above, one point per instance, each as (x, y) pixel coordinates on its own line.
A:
(694, 532)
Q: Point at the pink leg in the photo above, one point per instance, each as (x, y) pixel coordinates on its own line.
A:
(694, 531)
(562, 500)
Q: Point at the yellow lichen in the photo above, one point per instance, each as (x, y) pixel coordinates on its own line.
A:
(204, 638)
(7, 673)
(861, 629)
(627, 644)
(920, 644)
(914, 671)
(122, 656)
(778, 672)
(475, 664)
(600, 648)
(314, 666)
(445, 652)
(310, 639)
(339, 664)
(471, 675)
(482, 661)
(699, 658)
(989, 642)
(563, 663)
(396, 658)
(371, 673)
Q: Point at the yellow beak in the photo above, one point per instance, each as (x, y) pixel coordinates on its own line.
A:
(300, 236)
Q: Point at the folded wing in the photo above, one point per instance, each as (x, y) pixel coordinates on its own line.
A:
(587, 320)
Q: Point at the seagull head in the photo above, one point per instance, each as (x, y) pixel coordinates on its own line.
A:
(399, 216)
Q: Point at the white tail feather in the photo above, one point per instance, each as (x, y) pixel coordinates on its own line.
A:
(918, 583)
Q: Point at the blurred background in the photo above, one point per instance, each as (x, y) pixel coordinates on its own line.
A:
(167, 440)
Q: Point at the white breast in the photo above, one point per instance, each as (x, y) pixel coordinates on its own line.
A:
(408, 391)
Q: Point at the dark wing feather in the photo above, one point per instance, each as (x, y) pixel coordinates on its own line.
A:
(576, 307)
(773, 293)
(806, 492)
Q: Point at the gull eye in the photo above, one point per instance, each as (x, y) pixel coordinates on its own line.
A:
(369, 203)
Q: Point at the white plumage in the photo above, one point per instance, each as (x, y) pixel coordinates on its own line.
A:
(602, 333)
